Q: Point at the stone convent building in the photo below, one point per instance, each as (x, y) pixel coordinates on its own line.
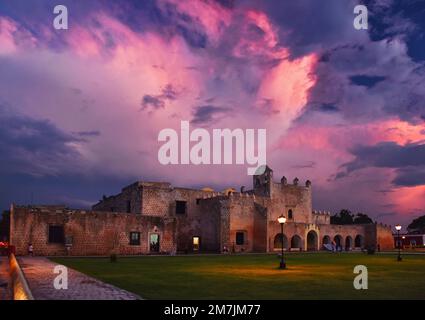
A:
(155, 217)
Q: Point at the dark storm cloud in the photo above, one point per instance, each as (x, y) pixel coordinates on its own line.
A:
(387, 155)
(389, 19)
(73, 190)
(33, 146)
(208, 113)
(308, 26)
(328, 107)
(92, 133)
(352, 61)
(410, 176)
(367, 81)
(407, 160)
(154, 102)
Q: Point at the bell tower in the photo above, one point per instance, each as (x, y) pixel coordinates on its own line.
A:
(262, 181)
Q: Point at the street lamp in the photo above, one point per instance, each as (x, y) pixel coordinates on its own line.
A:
(398, 228)
(282, 220)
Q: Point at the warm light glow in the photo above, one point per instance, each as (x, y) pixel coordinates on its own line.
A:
(281, 219)
(398, 227)
(403, 237)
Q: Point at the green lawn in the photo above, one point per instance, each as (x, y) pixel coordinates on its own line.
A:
(309, 276)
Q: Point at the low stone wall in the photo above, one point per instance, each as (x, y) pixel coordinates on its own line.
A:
(20, 288)
(88, 232)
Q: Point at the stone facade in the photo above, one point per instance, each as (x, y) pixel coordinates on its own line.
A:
(87, 233)
(155, 217)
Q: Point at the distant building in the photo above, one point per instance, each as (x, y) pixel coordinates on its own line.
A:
(409, 240)
(155, 217)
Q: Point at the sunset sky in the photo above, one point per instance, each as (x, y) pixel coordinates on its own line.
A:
(81, 109)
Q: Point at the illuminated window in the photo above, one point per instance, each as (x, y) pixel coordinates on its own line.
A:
(196, 243)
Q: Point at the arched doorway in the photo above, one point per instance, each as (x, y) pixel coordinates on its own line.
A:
(296, 243)
(312, 241)
(277, 243)
(326, 240)
(348, 243)
(338, 242)
(358, 241)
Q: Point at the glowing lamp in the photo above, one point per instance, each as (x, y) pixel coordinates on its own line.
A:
(281, 219)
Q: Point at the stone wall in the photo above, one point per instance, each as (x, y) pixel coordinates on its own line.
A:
(216, 219)
(384, 236)
(93, 233)
(129, 200)
(241, 219)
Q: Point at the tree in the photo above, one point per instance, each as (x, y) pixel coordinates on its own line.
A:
(343, 217)
(346, 217)
(4, 226)
(417, 225)
(362, 218)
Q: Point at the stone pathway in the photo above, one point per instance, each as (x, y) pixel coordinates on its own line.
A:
(5, 293)
(40, 277)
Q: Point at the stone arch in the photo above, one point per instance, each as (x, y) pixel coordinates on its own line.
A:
(296, 242)
(312, 240)
(338, 242)
(326, 240)
(348, 243)
(359, 241)
(277, 242)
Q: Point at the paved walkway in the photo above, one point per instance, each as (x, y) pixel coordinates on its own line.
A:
(40, 275)
(5, 293)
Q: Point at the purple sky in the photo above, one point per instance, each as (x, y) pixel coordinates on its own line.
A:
(81, 109)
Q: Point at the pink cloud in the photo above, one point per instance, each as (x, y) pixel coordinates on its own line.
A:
(12, 37)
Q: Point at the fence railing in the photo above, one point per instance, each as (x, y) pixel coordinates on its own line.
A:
(20, 288)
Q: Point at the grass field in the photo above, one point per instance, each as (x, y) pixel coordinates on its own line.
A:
(309, 276)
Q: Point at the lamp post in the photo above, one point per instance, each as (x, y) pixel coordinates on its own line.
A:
(282, 220)
(398, 228)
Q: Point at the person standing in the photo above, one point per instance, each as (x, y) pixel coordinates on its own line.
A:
(30, 250)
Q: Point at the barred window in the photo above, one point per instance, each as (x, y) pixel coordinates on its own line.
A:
(56, 234)
(180, 207)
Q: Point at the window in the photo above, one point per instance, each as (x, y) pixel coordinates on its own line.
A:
(180, 207)
(128, 206)
(56, 234)
(290, 215)
(135, 238)
(240, 238)
(198, 201)
(196, 242)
